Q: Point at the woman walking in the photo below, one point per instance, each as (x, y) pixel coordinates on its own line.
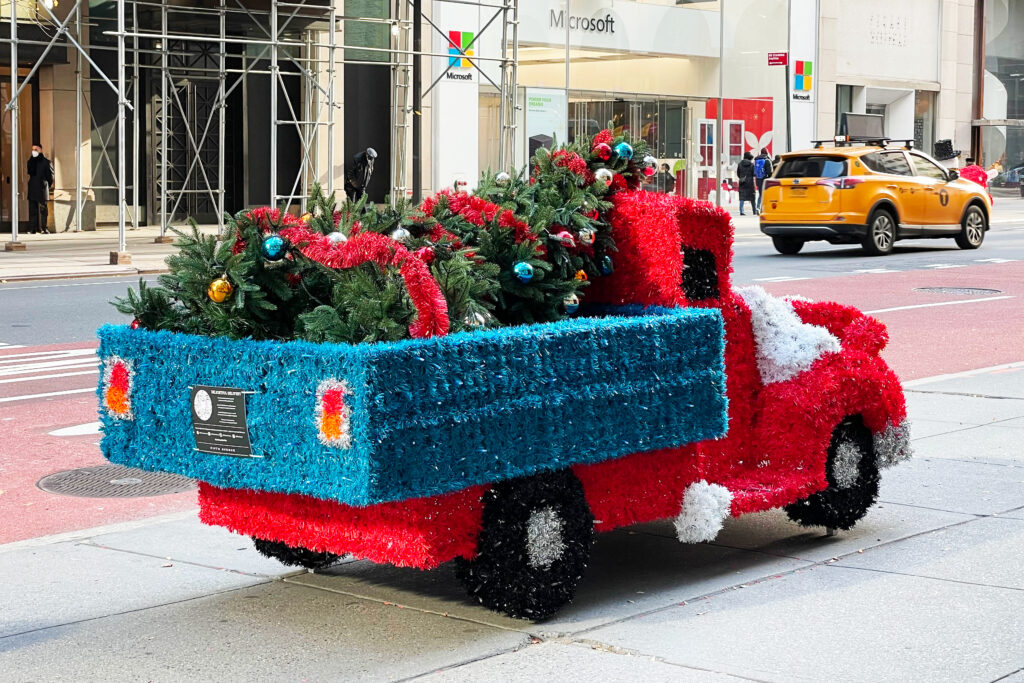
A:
(745, 173)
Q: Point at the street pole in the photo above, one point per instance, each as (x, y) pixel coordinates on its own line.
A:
(719, 133)
(417, 96)
(78, 122)
(785, 86)
(12, 107)
(121, 255)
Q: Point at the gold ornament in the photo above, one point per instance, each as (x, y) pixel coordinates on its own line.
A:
(306, 217)
(219, 290)
(580, 275)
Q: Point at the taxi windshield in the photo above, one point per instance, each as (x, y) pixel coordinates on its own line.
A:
(812, 166)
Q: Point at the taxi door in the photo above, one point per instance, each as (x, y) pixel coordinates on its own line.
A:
(903, 184)
(942, 200)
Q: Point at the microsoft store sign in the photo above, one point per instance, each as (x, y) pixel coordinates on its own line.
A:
(578, 23)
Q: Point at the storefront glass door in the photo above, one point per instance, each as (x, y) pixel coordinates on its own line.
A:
(25, 116)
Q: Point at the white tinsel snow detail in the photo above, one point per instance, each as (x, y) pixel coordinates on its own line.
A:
(705, 507)
(846, 464)
(893, 444)
(786, 346)
(544, 541)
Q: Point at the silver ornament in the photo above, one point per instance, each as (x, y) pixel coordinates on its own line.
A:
(502, 179)
(587, 236)
(604, 175)
(337, 237)
(400, 234)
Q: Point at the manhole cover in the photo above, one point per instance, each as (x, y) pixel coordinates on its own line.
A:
(962, 291)
(114, 481)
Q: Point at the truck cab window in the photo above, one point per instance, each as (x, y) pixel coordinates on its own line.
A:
(700, 275)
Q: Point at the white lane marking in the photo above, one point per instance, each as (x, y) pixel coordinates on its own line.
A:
(38, 377)
(965, 373)
(779, 278)
(941, 266)
(91, 390)
(940, 303)
(996, 260)
(87, 429)
(78, 364)
(7, 347)
(77, 284)
(43, 355)
(875, 270)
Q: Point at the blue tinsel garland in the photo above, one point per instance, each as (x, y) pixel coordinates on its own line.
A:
(429, 416)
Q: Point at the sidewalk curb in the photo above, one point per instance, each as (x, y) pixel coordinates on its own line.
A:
(80, 276)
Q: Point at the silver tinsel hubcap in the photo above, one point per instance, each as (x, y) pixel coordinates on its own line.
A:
(846, 465)
(544, 541)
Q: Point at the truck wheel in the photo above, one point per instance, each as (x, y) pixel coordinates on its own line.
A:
(972, 229)
(294, 556)
(881, 233)
(852, 473)
(787, 245)
(533, 545)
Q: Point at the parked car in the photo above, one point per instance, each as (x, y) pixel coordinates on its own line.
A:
(873, 195)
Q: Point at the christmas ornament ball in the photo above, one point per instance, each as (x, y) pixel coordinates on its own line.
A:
(523, 271)
(580, 275)
(624, 150)
(273, 248)
(571, 303)
(502, 179)
(425, 254)
(603, 151)
(135, 324)
(400, 234)
(337, 237)
(607, 265)
(565, 238)
(306, 217)
(650, 165)
(587, 236)
(219, 290)
(604, 176)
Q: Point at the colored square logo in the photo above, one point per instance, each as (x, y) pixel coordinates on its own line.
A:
(802, 75)
(459, 49)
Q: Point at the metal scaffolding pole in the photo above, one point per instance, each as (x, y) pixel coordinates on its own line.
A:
(164, 109)
(135, 120)
(121, 256)
(332, 56)
(78, 122)
(12, 109)
(221, 123)
(273, 102)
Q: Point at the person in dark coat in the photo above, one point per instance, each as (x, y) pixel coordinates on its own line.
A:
(764, 163)
(40, 178)
(358, 176)
(666, 181)
(745, 173)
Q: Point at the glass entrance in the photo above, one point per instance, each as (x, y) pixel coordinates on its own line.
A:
(26, 114)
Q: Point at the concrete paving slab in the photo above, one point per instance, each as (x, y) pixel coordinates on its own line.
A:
(774, 533)
(1016, 423)
(189, 540)
(628, 574)
(921, 428)
(271, 632)
(838, 624)
(954, 486)
(1015, 677)
(990, 443)
(925, 403)
(1003, 382)
(65, 582)
(555, 661)
(984, 551)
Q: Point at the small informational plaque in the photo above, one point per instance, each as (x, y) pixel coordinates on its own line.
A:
(218, 421)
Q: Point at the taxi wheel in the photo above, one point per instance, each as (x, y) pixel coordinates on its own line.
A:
(294, 556)
(972, 229)
(787, 245)
(881, 233)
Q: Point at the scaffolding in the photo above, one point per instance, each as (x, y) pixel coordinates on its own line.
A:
(175, 67)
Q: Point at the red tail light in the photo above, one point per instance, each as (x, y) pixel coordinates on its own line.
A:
(841, 183)
(770, 182)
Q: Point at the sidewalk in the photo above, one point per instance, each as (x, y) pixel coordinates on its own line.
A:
(928, 587)
(85, 254)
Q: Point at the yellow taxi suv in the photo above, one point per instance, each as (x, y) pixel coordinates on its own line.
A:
(872, 194)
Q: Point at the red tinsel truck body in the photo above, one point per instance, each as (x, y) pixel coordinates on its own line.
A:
(798, 374)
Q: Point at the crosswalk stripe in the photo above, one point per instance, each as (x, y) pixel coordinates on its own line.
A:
(40, 355)
(10, 399)
(78, 364)
(38, 377)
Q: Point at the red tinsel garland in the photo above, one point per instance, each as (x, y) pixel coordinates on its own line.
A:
(477, 211)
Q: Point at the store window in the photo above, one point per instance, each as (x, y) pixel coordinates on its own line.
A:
(924, 119)
(1002, 146)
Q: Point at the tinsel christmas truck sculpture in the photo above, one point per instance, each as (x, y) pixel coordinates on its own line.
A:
(503, 447)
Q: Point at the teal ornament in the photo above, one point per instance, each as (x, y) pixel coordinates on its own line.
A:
(571, 303)
(274, 248)
(523, 271)
(624, 150)
(607, 265)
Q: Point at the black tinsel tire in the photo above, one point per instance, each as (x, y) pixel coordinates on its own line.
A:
(533, 546)
(292, 556)
(852, 472)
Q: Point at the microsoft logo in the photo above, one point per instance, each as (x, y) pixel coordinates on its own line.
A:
(802, 75)
(459, 43)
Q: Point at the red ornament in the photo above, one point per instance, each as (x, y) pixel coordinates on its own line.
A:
(565, 238)
(135, 324)
(603, 151)
(425, 254)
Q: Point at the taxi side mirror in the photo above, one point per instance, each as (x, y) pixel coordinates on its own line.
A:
(953, 174)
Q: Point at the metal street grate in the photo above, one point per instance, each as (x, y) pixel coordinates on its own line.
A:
(962, 291)
(114, 481)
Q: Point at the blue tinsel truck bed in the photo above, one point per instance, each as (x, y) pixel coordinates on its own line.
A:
(426, 416)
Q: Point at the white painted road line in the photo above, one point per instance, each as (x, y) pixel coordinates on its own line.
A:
(39, 355)
(996, 260)
(940, 303)
(94, 371)
(874, 271)
(941, 266)
(5, 347)
(779, 278)
(87, 429)
(78, 364)
(90, 390)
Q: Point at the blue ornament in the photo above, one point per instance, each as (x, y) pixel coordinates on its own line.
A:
(607, 265)
(274, 248)
(624, 150)
(571, 303)
(523, 271)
